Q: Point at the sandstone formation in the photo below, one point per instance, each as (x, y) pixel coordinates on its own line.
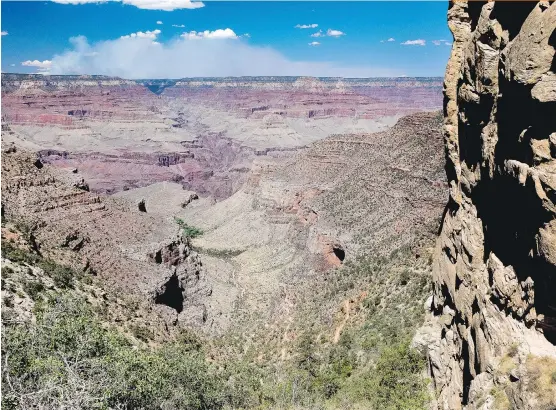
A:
(201, 133)
(492, 329)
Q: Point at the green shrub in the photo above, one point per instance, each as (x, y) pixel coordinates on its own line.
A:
(67, 359)
(188, 230)
(8, 301)
(397, 379)
(61, 275)
(221, 253)
(6, 271)
(242, 388)
(18, 255)
(141, 332)
(33, 288)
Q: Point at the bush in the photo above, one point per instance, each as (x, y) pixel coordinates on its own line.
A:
(61, 275)
(397, 379)
(33, 288)
(142, 333)
(67, 359)
(18, 255)
(188, 230)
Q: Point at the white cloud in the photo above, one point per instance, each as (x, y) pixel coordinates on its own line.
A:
(318, 34)
(159, 22)
(306, 26)
(180, 58)
(4, 33)
(42, 66)
(334, 33)
(36, 63)
(79, 1)
(226, 33)
(314, 43)
(440, 42)
(418, 42)
(147, 34)
(166, 5)
(246, 35)
(391, 39)
(178, 25)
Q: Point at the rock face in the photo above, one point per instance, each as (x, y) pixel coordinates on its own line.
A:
(133, 253)
(492, 328)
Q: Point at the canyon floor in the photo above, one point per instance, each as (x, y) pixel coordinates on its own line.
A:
(288, 223)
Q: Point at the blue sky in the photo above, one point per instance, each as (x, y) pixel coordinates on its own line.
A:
(262, 38)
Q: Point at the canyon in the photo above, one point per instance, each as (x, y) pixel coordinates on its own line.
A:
(307, 231)
(205, 134)
(252, 212)
(270, 169)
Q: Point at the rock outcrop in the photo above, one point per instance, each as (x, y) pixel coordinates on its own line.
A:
(492, 328)
(139, 254)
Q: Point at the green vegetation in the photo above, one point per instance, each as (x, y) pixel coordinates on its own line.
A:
(19, 255)
(221, 253)
(397, 378)
(501, 401)
(62, 276)
(542, 375)
(141, 333)
(336, 378)
(70, 356)
(67, 359)
(33, 288)
(370, 365)
(188, 230)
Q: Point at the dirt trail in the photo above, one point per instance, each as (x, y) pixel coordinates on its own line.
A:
(338, 332)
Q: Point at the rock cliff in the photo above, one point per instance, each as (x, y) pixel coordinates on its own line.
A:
(492, 327)
(139, 254)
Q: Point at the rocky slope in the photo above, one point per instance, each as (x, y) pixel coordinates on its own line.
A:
(491, 334)
(130, 252)
(298, 219)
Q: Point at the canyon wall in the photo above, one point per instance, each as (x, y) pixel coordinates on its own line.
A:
(492, 327)
(201, 133)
